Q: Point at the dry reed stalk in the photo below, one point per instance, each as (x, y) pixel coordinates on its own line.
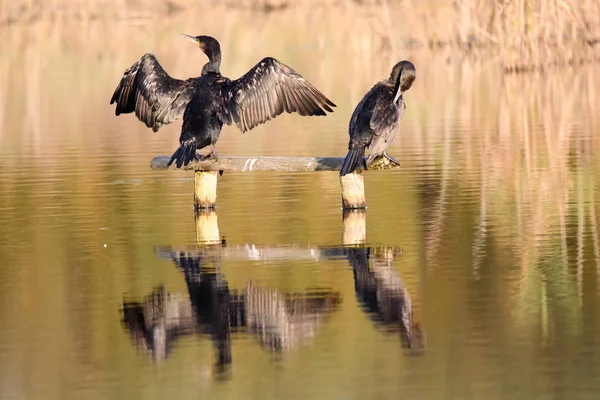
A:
(526, 35)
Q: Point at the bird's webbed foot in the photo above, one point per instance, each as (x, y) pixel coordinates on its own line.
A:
(210, 156)
(383, 161)
(213, 153)
(392, 159)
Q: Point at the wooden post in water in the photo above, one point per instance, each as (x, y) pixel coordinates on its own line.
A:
(353, 191)
(352, 185)
(205, 189)
(207, 227)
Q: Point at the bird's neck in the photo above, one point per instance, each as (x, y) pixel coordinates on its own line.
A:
(213, 65)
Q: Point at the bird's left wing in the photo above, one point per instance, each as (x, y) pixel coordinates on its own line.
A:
(269, 89)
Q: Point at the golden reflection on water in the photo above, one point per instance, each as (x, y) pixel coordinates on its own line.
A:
(280, 321)
(494, 210)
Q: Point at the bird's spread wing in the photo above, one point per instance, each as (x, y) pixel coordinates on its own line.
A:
(156, 98)
(269, 89)
(384, 123)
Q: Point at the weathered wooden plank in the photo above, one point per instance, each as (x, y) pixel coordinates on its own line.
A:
(281, 164)
(248, 164)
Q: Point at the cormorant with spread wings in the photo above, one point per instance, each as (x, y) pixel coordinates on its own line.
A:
(211, 100)
(376, 118)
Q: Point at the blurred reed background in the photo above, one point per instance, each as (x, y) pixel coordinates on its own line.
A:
(521, 35)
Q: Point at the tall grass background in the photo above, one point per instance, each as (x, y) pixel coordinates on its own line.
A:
(521, 35)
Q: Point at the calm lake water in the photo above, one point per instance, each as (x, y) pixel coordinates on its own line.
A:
(479, 276)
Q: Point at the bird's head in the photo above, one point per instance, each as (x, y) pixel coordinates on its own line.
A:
(402, 77)
(209, 45)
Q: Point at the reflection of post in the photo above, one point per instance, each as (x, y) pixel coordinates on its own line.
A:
(205, 189)
(207, 228)
(353, 191)
(355, 227)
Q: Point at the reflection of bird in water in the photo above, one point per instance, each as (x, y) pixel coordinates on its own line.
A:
(383, 295)
(282, 321)
(279, 321)
(211, 100)
(217, 310)
(376, 118)
(211, 309)
(157, 322)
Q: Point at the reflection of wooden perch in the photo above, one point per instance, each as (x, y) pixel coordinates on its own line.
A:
(207, 228)
(205, 191)
(355, 227)
(282, 321)
(253, 252)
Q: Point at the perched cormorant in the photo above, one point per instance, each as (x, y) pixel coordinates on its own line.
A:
(376, 118)
(211, 100)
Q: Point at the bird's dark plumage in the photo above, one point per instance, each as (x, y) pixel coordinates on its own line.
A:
(353, 160)
(211, 100)
(269, 89)
(376, 118)
(156, 98)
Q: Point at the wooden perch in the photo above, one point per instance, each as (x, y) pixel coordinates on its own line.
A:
(353, 194)
(253, 164)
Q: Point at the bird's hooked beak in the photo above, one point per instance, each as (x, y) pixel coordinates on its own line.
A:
(398, 94)
(191, 38)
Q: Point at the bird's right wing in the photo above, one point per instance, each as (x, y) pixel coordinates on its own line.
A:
(269, 89)
(156, 98)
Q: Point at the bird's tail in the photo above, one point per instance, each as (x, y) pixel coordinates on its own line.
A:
(183, 155)
(353, 160)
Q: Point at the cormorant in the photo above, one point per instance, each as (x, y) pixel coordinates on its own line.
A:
(211, 100)
(376, 118)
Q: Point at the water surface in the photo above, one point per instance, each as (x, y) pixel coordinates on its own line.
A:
(478, 277)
